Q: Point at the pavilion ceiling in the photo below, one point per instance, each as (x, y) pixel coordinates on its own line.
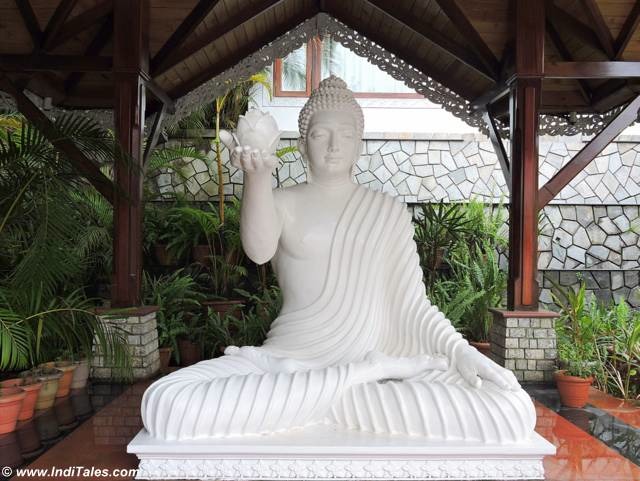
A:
(62, 49)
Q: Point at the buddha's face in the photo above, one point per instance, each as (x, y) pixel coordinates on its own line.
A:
(332, 145)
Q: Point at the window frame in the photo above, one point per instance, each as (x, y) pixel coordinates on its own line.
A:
(314, 68)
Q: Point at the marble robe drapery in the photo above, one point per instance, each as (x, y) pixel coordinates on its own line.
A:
(373, 299)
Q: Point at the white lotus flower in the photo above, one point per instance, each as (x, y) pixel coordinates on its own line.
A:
(258, 130)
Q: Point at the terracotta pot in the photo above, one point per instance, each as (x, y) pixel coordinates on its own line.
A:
(165, 357)
(32, 387)
(482, 347)
(64, 413)
(11, 399)
(162, 255)
(10, 451)
(81, 403)
(80, 375)
(224, 306)
(190, 352)
(50, 378)
(64, 385)
(201, 254)
(28, 439)
(573, 390)
(47, 426)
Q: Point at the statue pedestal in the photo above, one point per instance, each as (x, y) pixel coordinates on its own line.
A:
(325, 452)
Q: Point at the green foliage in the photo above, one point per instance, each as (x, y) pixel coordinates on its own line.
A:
(55, 233)
(599, 339)
(468, 282)
(250, 329)
(176, 295)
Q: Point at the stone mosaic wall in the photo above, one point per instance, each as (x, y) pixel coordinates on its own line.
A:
(593, 225)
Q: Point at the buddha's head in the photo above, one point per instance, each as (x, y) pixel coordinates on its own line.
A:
(331, 125)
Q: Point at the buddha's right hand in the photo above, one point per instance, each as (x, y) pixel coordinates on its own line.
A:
(254, 162)
(383, 366)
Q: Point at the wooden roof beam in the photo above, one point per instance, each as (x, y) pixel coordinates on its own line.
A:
(410, 56)
(30, 22)
(491, 96)
(443, 42)
(246, 50)
(597, 70)
(498, 146)
(246, 15)
(589, 152)
(564, 22)
(600, 27)
(95, 47)
(167, 102)
(41, 63)
(186, 28)
(566, 55)
(628, 29)
(81, 22)
(467, 30)
(85, 166)
(56, 22)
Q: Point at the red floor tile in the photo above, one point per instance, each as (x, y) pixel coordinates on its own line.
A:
(580, 457)
(623, 410)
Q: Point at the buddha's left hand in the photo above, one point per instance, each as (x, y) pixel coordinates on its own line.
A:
(474, 367)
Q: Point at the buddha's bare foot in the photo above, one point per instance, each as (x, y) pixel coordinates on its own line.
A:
(390, 367)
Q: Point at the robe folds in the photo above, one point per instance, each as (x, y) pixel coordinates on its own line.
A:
(373, 299)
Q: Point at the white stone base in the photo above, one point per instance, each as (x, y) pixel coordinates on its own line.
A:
(325, 452)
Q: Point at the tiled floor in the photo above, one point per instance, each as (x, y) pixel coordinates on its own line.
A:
(599, 443)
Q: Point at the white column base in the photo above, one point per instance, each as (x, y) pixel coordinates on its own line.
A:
(328, 453)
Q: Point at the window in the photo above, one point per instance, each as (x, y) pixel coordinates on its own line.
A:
(300, 71)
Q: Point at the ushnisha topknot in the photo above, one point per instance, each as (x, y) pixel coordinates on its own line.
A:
(331, 94)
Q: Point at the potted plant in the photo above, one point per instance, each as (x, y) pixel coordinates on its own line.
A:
(177, 297)
(50, 378)
(11, 399)
(577, 346)
(31, 387)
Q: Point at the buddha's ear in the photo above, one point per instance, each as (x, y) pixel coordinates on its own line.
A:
(302, 148)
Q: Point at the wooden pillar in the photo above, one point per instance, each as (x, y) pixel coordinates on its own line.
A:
(130, 71)
(525, 84)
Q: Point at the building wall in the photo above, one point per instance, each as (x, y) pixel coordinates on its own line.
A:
(592, 227)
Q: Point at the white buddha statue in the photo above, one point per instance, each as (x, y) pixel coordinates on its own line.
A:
(357, 343)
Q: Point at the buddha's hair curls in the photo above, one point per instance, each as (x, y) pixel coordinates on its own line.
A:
(331, 94)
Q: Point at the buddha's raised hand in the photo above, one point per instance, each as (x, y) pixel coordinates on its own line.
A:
(474, 367)
(253, 161)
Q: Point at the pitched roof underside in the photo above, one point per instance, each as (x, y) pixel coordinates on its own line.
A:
(450, 51)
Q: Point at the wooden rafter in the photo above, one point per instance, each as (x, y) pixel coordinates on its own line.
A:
(410, 56)
(184, 30)
(564, 22)
(566, 55)
(81, 22)
(459, 52)
(30, 22)
(498, 146)
(60, 15)
(244, 51)
(469, 32)
(606, 70)
(589, 152)
(246, 15)
(95, 47)
(491, 96)
(628, 29)
(66, 63)
(600, 27)
(85, 166)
